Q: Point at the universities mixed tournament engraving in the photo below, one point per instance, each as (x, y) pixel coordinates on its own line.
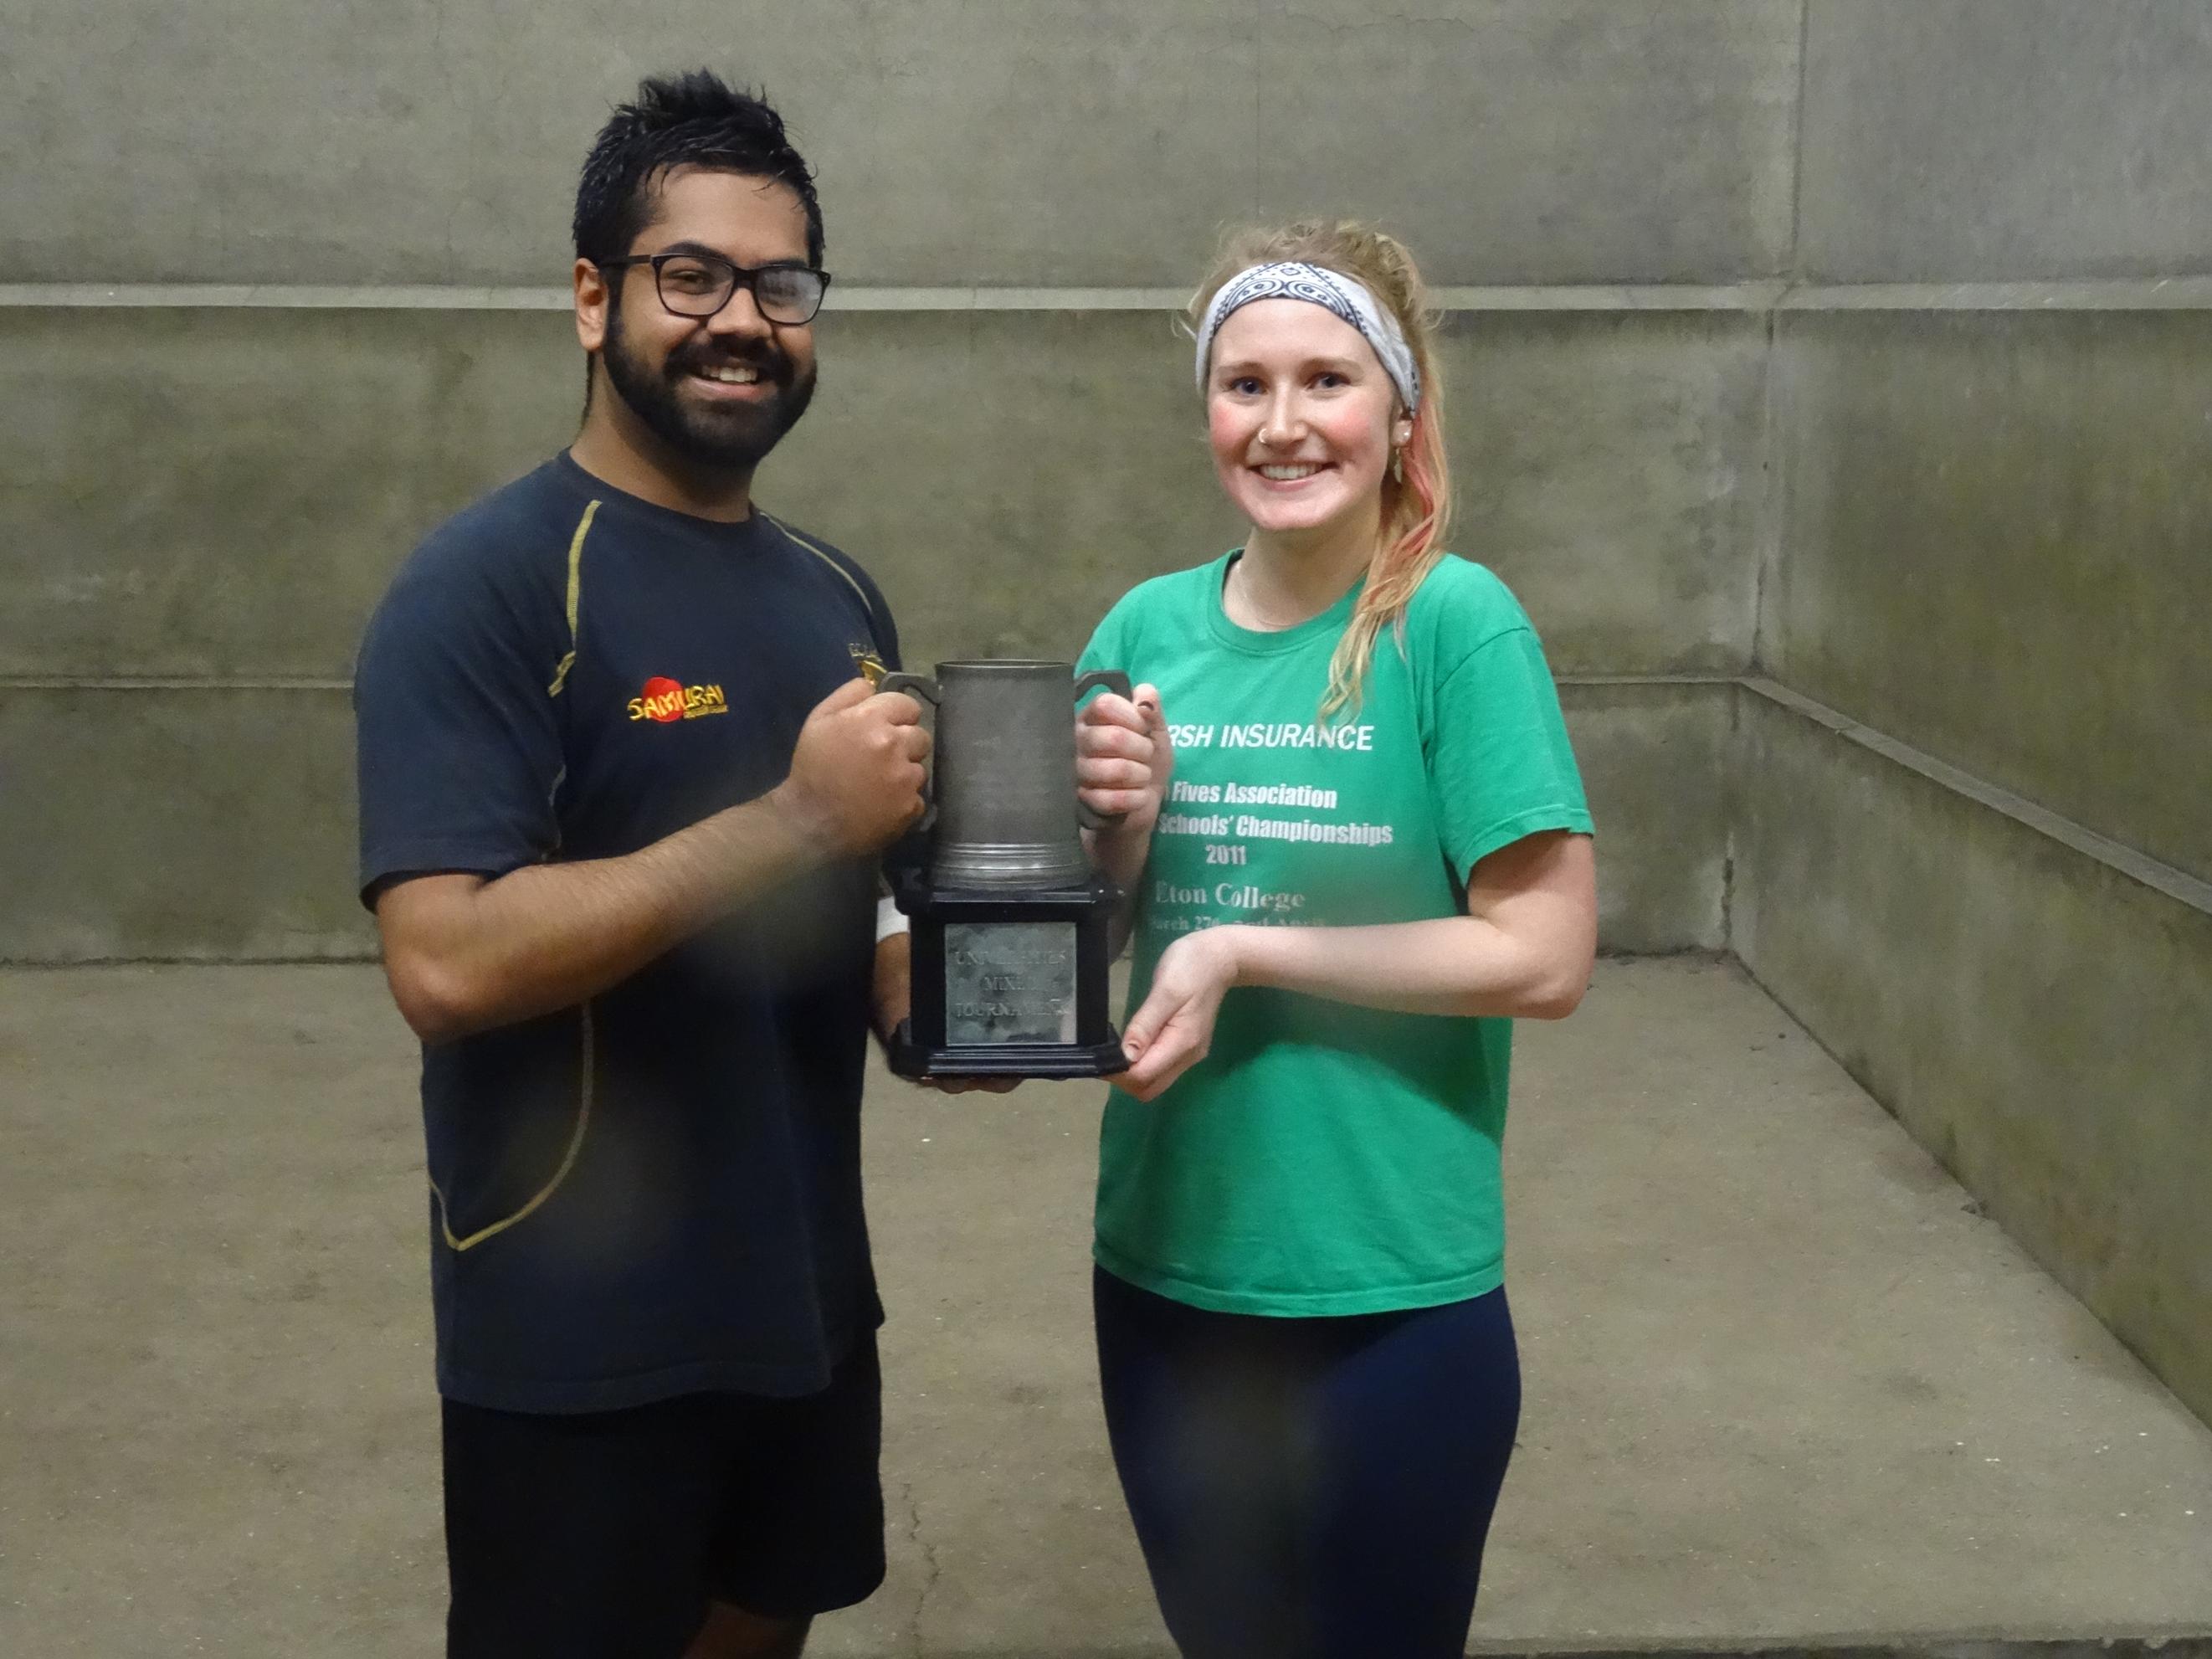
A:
(1010, 981)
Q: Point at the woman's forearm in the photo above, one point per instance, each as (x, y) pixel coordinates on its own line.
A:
(1462, 965)
(1522, 949)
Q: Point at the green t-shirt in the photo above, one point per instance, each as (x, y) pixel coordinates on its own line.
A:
(1324, 1158)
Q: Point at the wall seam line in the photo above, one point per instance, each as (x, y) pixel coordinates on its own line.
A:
(1773, 503)
(1761, 297)
(2138, 866)
(171, 683)
(1797, 261)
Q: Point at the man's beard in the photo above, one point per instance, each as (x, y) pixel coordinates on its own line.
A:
(729, 437)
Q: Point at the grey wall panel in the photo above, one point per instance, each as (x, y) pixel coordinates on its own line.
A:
(1999, 548)
(1006, 476)
(1024, 469)
(1653, 759)
(957, 141)
(1611, 467)
(1540, 140)
(226, 492)
(212, 823)
(1964, 140)
(2034, 1017)
(198, 824)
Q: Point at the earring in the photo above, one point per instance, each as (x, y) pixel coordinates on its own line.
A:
(1398, 464)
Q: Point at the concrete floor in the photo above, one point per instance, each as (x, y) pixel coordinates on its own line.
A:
(1784, 1385)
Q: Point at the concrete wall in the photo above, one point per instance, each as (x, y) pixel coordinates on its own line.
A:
(1991, 564)
(1966, 140)
(209, 823)
(211, 499)
(2035, 1017)
(225, 492)
(1999, 548)
(1994, 522)
(1653, 756)
(958, 141)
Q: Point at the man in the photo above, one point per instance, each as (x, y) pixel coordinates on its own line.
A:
(624, 786)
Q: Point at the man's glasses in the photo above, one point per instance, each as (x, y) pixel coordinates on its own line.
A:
(700, 284)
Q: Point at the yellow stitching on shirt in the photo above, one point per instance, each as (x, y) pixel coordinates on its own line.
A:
(575, 596)
(827, 559)
(568, 1161)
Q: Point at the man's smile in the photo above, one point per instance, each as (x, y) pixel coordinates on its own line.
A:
(729, 382)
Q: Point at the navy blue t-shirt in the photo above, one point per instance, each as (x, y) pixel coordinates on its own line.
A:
(658, 1192)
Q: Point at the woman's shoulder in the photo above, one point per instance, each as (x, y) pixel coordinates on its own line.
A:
(1462, 604)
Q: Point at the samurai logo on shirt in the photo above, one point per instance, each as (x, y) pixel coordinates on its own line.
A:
(664, 700)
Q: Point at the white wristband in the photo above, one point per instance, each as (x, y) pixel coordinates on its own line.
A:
(891, 920)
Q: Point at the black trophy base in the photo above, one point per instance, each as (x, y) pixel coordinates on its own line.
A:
(1008, 983)
(1038, 1060)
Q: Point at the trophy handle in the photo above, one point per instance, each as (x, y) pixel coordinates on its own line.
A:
(921, 688)
(914, 685)
(1114, 680)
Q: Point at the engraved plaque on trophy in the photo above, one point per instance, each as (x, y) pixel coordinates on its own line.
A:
(1009, 982)
(1009, 921)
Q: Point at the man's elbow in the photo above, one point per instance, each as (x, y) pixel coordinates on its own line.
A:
(438, 1004)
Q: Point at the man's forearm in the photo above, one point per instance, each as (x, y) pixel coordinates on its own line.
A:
(892, 992)
(551, 935)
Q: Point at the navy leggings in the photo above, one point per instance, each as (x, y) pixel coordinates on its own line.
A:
(1309, 1488)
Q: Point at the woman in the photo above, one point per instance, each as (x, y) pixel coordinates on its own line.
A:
(1357, 853)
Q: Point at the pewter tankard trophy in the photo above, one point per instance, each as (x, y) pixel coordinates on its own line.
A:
(1009, 921)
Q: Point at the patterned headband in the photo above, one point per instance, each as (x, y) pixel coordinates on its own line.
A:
(1339, 295)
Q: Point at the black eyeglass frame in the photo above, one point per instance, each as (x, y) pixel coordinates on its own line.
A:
(741, 276)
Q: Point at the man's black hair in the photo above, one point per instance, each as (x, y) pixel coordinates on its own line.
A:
(695, 119)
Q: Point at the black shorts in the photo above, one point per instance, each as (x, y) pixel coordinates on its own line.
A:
(602, 1536)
